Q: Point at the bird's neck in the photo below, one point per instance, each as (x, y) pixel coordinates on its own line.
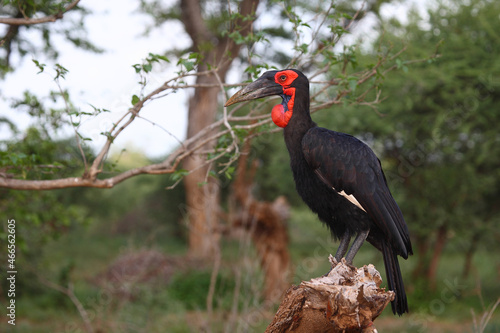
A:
(299, 124)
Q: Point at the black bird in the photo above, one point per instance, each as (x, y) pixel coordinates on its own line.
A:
(338, 177)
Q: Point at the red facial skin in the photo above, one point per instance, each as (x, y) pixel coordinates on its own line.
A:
(278, 114)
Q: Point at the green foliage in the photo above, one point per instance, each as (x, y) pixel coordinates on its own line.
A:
(191, 288)
(179, 174)
(445, 120)
(147, 65)
(60, 72)
(187, 63)
(143, 69)
(40, 66)
(40, 215)
(52, 114)
(37, 156)
(135, 99)
(14, 38)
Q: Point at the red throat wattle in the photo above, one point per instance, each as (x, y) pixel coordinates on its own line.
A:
(279, 114)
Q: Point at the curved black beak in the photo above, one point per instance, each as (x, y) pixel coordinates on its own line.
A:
(262, 87)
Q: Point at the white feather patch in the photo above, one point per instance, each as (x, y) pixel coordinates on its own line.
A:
(351, 198)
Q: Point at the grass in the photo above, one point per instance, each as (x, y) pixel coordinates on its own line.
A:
(181, 305)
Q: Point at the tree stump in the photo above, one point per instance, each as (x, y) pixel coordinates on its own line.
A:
(348, 299)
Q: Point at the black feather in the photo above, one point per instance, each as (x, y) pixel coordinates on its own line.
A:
(325, 163)
(329, 168)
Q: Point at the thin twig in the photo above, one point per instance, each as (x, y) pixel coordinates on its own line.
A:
(213, 282)
(77, 137)
(228, 126)
(487, 316)
(71, 294)
(162, 128)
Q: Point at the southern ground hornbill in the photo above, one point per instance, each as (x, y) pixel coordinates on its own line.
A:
(338, 177)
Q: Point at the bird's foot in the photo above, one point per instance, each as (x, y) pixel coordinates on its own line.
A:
(334, 262)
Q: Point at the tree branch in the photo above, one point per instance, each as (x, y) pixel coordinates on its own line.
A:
(45, 19)
(23, 184)
(95, 169)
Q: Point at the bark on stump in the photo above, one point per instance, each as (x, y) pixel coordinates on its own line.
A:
(348, 299)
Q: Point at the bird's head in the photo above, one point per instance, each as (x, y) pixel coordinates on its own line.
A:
(285, 83)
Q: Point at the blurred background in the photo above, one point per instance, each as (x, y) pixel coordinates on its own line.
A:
(212, 250)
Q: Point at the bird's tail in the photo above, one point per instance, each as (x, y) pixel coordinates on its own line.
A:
(394, 279)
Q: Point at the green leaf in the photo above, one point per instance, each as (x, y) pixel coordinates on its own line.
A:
(229, 172)
(237, 37)
(39, 65)
(60, 71)
(137, 68)
(147, 67)
(162, 58)
(303, 48)
(189, 65)
(179, 174)
(135, 99)
(152, 57)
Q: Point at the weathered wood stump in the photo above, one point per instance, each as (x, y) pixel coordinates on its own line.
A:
(348, 299)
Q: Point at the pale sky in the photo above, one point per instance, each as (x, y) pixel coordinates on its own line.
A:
(108, 80)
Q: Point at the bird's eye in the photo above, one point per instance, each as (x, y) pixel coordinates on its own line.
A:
(283, 78)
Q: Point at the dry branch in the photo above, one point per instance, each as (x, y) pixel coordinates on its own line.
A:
(347, 300)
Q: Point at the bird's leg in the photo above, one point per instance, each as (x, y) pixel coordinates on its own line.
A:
(356, 245)
(344, 244)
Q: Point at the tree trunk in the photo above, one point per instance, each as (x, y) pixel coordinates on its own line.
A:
(202, 192)
(469, 254)
(438, 250)
(347, 300)
(203, 200)
(422, 245)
